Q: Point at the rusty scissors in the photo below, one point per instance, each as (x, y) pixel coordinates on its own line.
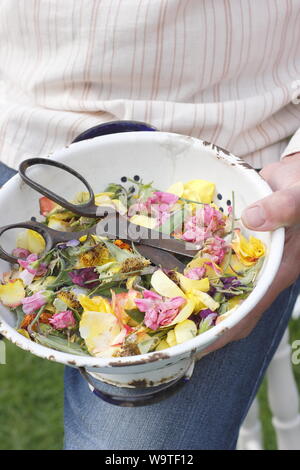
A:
(155, 245)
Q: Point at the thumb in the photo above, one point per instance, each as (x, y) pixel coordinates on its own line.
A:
(280, 209)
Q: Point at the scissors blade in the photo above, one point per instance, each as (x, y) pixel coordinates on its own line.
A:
(118, 226)
(172, 245)
(160, 258)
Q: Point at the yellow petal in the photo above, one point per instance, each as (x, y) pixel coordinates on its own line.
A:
(119, 206)
(95, 304)
(198, 305)
(187, 284)
(184, 331)
(103, 199)
(11, 294)
(96, 238)
(235, 301)
(56, 224)
(202, 300)
(199, 191)
(162, 345)
(171, 338)
(185, 312)
(176, 188)
(24, 333)
(144, 221)
(32, 241)
(164, 286)
(235, 266)
(99, 330)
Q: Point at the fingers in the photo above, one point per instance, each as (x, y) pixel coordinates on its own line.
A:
(280, 209)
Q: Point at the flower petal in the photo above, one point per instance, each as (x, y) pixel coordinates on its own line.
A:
(164, 286)
(12, 294)
(184, 331)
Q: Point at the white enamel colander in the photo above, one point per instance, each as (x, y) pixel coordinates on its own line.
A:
(131, 149)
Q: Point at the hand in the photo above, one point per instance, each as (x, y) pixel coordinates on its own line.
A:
(280, 209)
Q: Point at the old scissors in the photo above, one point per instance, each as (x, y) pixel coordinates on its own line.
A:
(156, 246)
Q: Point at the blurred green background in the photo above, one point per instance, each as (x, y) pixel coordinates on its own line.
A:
(31, 401)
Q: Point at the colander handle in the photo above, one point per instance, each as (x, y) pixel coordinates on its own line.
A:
(141, 399)
(114, 127)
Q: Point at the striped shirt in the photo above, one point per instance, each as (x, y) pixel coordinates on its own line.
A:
(226, 71)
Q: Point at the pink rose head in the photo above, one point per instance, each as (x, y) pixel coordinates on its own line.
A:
(160, 204)
(62, 320)
(158, 311)
(217, 248)
(161, 197)
(138, 208)
(213, 219)
(203, 224)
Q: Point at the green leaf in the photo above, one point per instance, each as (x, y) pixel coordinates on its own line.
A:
(60, 344)
(136, 315)
(148, 344)
(20, 315)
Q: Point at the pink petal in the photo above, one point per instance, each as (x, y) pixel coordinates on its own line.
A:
(149, 294)
(62, 320)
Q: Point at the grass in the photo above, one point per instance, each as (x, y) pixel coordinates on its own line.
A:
(31, 401)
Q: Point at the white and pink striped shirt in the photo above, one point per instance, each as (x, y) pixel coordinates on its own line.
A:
(226, 71)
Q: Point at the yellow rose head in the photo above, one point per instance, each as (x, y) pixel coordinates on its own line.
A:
(99, 331)
(248, 251)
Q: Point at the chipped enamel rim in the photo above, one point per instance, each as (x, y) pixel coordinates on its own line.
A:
(197, 344)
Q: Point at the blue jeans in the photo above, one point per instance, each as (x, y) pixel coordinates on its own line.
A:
(206, 414)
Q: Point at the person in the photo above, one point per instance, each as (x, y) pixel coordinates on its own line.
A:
(225, 72)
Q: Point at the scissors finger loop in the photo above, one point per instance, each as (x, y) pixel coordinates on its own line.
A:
(88, 209)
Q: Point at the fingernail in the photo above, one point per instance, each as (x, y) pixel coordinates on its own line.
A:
(254, 217)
